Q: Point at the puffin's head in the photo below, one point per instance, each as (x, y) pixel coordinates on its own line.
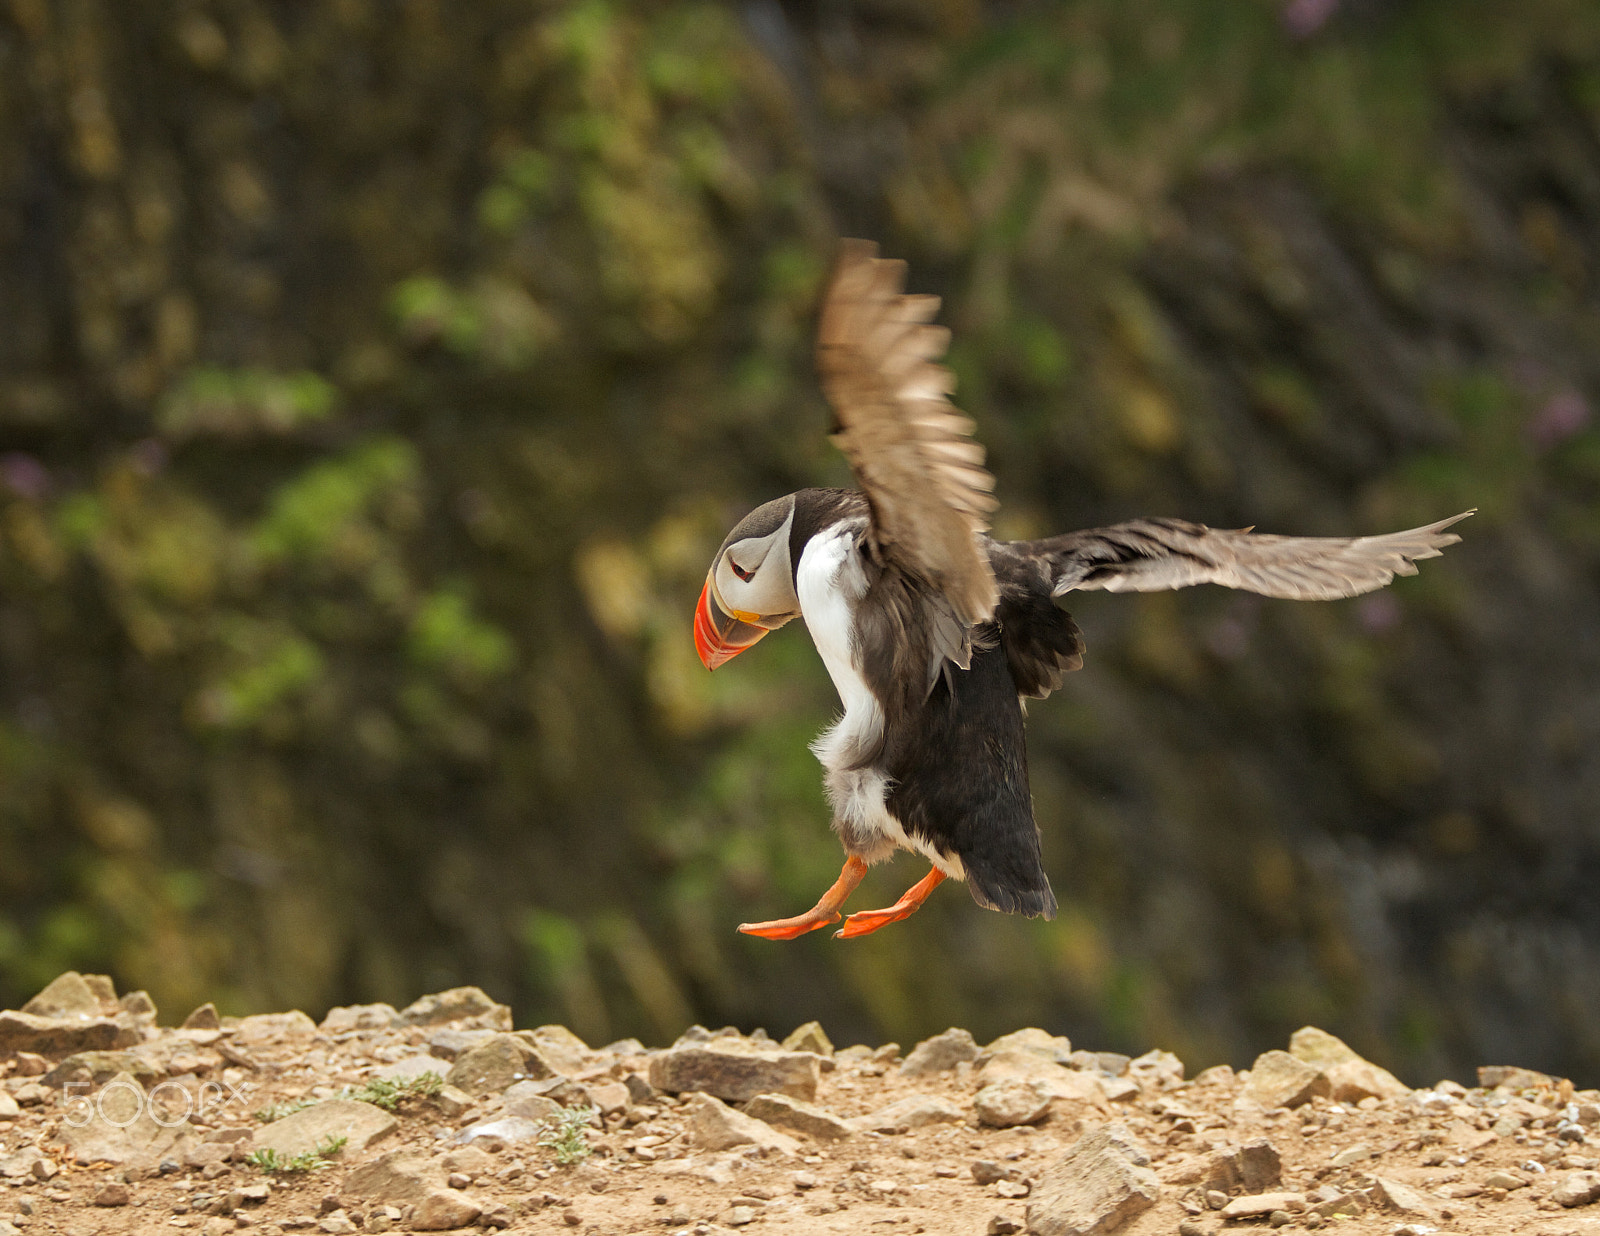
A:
(750, 587)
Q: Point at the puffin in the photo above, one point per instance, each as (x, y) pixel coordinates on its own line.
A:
(934, 633)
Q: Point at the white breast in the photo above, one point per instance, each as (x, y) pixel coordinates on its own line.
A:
(830, 581)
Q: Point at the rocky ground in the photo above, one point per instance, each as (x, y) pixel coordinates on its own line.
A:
(440, 1116)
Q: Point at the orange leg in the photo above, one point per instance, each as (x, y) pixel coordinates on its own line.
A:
(820, 915)
(866, 921)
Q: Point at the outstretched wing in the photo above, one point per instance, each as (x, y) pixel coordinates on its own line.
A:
(1152, 555)
(910, 449)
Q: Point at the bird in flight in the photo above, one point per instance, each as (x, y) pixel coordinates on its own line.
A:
(933, 632)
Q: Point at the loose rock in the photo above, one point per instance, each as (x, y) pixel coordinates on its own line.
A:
(493, 1065)
(789, 1113)
(940, 1053)
(1351, 1077)
(1102, 1181)
(359, 1124)
(809, 1037)
(716, 1126)
(118, 1127)
(459, 1004)
(1277, 1079)
(1007, 1104)
(909, 1113)
(734, 1073)
(1263, 1204)
(1576, 1189)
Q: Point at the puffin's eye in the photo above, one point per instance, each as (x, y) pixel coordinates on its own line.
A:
(738, 570)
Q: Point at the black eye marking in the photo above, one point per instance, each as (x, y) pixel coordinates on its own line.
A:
(738, 570)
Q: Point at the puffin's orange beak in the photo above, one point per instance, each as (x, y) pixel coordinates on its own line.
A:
(718, 635)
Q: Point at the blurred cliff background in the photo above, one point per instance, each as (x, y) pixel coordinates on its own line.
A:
(378, 376)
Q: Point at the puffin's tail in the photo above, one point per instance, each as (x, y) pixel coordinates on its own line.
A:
(1011, 883)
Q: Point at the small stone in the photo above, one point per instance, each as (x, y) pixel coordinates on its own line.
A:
(359, 1124)
(346, 1018)
(563, 1050)
(8, 1107)
(802, 1181)
(607, 1097)
(1358, 1153)
(1190, 1228)
(495, 1064)
(409, 1068)
(1399, 1197)
(1216, 1199)
(781, 1111)
(1055, 1048)
(68, 996)
(987, 1171)
(913, 1112)
(809, 1037)
(87, 1070)
(1504, 1180)
(1279, 1218)
(203, 1018)
(1252, 1168)
(571, 1218)
(1262, 1205)
(734, 1072)
(53, 1037)
(459, 1004)
(1012, 1188)
(1277, 1079)
(442, 1210)
(738, 1216)
(1156, 1070)
(716, 1126)
(507, 1130)
(1350, 1077)
(940, 1053)
(452, 1101)
(1002, 1225)
(1576, 1189)
(274, 1027)
(639, 1090)
(1350, 1204)
(1007, 1104)
(114, 1193)
(119, 1127)
(336, 1223)
(1102, 1181)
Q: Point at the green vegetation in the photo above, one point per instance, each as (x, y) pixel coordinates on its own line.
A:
(565, 1136)
(379, 1091)
(270, 1161)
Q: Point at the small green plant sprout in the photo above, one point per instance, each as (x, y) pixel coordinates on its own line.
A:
(277, 1111)
(269, 1160)
(389, 1095)
(379, 1091)
(564, 1136)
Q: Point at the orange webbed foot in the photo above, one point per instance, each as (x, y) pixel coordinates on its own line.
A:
(865, 922)
(826, 910)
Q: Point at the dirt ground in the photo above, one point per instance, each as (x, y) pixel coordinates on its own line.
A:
(1510, 1158)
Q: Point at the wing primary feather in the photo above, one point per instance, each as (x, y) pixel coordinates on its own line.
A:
(1150, 555)
(928, 492)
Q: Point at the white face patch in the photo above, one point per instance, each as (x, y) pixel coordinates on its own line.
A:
(752, 579)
